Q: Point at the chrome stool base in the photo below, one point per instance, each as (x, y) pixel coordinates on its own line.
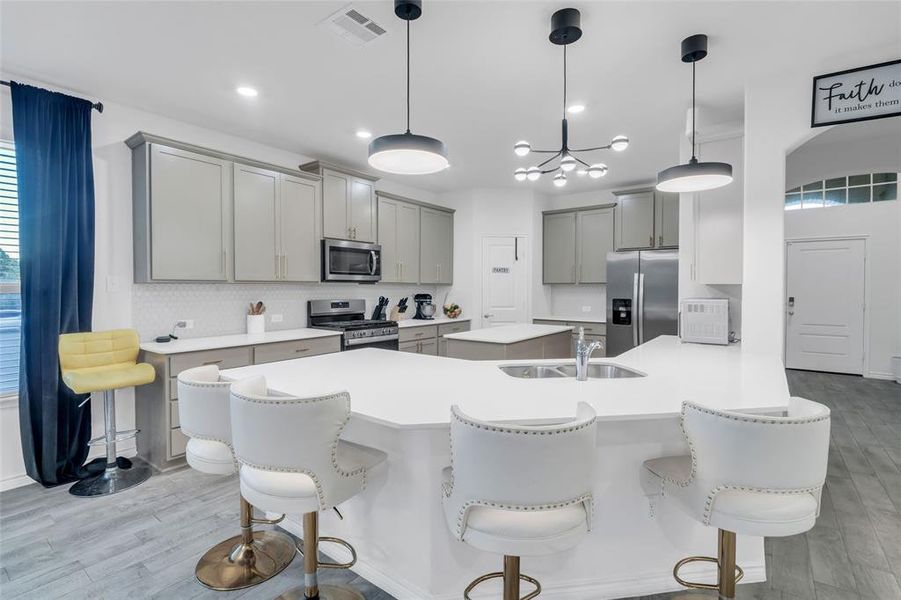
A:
(512, 577)
(728, 573)
(234, 565)
(113, 480)
(326, 592)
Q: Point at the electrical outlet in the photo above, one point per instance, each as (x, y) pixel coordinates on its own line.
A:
(186, 323)
(276, 318)
(112, 284)
(586, 309)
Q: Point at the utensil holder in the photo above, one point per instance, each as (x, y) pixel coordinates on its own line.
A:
(256, 324)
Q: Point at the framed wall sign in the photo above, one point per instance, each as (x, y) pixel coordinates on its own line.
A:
(860, 94)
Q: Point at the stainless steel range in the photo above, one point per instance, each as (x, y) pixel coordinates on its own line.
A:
(349, 317)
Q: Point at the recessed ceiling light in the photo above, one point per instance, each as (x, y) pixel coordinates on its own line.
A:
(248, 92)
(363, 134)
(575, 109)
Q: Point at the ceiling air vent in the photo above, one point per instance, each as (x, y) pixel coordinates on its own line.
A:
(352, 26)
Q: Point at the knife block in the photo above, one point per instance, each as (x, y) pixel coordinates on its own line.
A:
(396, 315)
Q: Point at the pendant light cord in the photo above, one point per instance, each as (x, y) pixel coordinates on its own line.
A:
(408, 76)
(564, 81)
(693, 111)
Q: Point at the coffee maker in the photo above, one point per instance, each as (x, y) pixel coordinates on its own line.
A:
(424, 308)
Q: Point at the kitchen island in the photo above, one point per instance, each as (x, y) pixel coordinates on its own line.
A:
(519, 341)
(401, 405)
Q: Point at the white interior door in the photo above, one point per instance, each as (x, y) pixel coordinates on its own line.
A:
(503, 280)
(825, 302)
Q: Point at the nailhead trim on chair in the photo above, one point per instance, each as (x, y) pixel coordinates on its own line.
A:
(334, 447)
(191, 434)
(587, 499)
(708, 506)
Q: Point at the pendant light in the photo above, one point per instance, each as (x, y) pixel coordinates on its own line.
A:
(408, 153)
(566, 28)
(694, 176)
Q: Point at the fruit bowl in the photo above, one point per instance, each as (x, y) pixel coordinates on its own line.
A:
(452, 311)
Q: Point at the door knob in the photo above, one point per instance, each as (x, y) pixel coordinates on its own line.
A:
(488, 315)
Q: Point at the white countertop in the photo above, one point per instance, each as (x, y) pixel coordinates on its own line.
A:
(413, 391)
(436, 321)
(231, 341)
(582, 319)
(508, 334)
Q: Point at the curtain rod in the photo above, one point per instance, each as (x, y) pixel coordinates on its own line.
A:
(98, 106)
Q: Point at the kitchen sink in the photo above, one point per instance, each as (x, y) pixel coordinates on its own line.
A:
(595, 371)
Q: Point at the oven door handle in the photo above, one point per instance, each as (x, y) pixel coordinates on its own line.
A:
(370, 340)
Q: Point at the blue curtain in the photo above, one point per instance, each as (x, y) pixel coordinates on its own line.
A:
(56, 242)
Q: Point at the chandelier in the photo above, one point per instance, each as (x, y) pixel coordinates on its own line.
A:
(566, 28)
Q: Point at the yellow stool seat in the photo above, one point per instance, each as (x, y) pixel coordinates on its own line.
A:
(108, 377)
(104, 361)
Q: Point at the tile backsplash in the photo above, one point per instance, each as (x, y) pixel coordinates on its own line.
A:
(572, 300)
(220, 309)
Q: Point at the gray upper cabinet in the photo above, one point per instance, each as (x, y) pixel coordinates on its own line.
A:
(594, 239)
(275, 226)
(348, 202)
(204, 215)
(298, 233)
(181, 215)
(559, 247)
(436, 257)
(646, 219)
(635, 220)
(666, 219)
(399, 236)
(576, 243)
(256, 241)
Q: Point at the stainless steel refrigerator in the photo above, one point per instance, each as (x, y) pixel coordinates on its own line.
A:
(642, 297)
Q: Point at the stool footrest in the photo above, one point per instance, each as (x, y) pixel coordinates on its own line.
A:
(256, 521)
(739, 573)
(331, 565)
(499, 575)
(121, 436)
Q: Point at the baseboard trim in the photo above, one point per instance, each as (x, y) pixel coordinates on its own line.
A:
(643, 584)
(879, 375)
(16, 481)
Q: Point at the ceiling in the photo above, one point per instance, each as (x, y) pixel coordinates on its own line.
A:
(484, 73)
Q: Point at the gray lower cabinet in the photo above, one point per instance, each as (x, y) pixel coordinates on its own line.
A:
(594, 332)
(555, 345)
(398, 225)
(594, 239)
(160, 439)
(559, 247)
(576, 243)
(275, 226)
(181, 215)
(436, 257)
(429, 339)
(646, 219)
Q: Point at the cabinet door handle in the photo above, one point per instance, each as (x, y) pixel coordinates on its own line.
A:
(285, 268)
(660, 240)
(223, 263)
(651, 241)
(212, 362)
(298, 350)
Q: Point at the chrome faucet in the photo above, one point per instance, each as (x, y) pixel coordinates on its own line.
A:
(583, 354)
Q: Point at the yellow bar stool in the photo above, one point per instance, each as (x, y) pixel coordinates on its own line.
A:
(105, 361)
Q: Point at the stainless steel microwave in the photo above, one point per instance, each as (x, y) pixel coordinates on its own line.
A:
(343, 260)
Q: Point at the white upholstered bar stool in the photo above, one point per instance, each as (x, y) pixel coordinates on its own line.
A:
(252, 557)
(747, 474)
(520, 490)
(293, 460)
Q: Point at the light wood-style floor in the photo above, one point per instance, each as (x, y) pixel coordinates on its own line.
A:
(144, 543)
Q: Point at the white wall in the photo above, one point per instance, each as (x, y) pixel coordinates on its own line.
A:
(851, 149)
(482, 212)
(848, 150)
(114, 292)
